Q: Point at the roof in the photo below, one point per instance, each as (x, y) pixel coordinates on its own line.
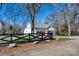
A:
(42, 26)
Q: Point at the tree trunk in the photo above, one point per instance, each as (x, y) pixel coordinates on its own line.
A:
(69, 30)
(32, 24)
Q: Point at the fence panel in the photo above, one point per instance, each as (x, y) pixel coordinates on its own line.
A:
(29, 37)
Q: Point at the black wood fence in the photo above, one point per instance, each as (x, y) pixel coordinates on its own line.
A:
(29, 37)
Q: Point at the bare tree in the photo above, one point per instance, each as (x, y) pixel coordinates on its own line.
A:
(56, 21)
(69, 12)
(33, 10)
(3, 24)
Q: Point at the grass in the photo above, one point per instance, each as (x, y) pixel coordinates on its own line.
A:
(19, 38)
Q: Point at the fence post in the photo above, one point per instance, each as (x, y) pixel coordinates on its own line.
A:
(29, 37)
(11, 38)
(42, 36)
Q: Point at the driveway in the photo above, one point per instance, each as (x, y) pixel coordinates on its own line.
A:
(67, 48)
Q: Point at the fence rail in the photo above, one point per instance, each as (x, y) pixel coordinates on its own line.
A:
(28, 37)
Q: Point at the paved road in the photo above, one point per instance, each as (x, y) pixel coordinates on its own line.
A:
(66, 37)
(67, 48)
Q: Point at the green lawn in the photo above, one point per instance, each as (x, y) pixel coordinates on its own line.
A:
(19, 38)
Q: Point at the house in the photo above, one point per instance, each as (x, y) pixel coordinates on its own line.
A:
(39, 27)
(27, 28)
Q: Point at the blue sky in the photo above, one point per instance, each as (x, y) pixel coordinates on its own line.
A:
(16, 14)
